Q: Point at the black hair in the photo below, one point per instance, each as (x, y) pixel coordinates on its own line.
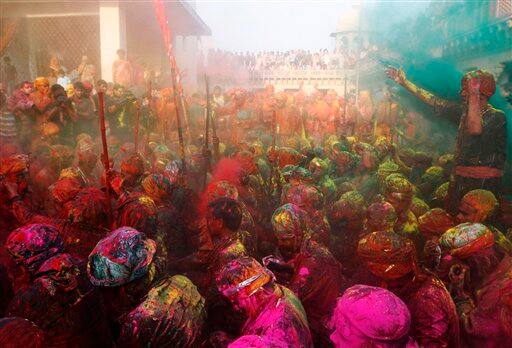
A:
(228, 210)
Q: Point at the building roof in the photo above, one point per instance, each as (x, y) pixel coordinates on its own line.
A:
(183, 19)
(349, 21)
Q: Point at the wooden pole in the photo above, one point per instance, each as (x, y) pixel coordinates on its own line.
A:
(178, 121)
(206, 153)
(106, 159)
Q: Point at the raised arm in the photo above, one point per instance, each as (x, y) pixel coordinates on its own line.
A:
(398, 75)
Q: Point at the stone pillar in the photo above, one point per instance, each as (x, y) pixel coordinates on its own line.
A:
(112, 35)
(190, 52)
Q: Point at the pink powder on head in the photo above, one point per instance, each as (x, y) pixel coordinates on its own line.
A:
(303, 272)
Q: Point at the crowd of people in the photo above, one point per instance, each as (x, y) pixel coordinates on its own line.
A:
(252, 218)
(237, 66)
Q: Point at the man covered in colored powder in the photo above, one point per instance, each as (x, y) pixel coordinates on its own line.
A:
(392, 259)
(482, 279)
(367, 316)
(315, 275)
(275, 316)
(482, 138)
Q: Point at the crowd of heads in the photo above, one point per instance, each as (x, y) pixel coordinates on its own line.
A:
(305, 220)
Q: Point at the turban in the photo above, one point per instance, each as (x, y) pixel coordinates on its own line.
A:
(84, 143)
(467, 239)
(291, 172)
(385, 169)
(434, 223)
(172, 314)
(49, 129)
(61, 270)
(138, 211)
(387, 254)
(318, 167)
(20, 332)
(221, 189)
(61, 153)
(121, 257)
(65, 189)
(73, 173)
(375, 313)
(441, 193)
(33, 244)
(483, 201)
(166, 92)
(242, 275)
(14, 164)
(157, 186)
(381, 215)
(40, 81)
(287, 155)
(397, 183)
(433, 175)
(132, 165)
(487, 82)
(351, 205)
(288, 222)
(89, 206)
(419, 207)
(307, 197)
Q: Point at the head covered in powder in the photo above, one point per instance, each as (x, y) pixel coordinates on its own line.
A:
(366, 314)
(121, 257)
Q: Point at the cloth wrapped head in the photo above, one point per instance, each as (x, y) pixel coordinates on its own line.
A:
(398, 191)
(62, 154)
(366, 314)
(49, 129)
(157, 186)
(434, 223)
(64, 190)
(478, 205)
(385, 169)
(318, 167)
(121, 257)
(441, 194)
(487, 82)
(289, 222)
(297, 174)
(132, 165)
(287, 155)
(33, 244)
(89, 207)
(242, 277)
(172, 314)
(60, 271)
(41, 81)
(434, 176)
(381, 217)
(350, 207)
(221, 189)
(307, 197)
(387, 255)
(419, 206)
(467, 239)
(246, 160)
(72, 172)
(137, 211)
(14, 165)
(20, 332)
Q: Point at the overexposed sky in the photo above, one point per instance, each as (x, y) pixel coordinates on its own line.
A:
(254, 25)
(270, 24)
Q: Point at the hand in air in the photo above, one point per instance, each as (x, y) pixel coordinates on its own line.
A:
(398, 75)
(474, 86)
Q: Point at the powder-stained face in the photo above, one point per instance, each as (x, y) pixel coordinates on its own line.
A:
(467, 213)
